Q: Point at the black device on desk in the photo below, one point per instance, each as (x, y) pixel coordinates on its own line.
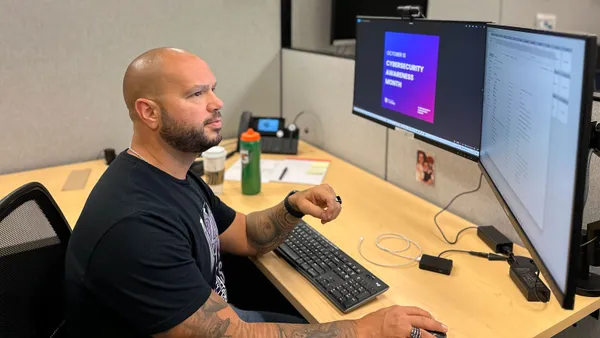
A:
(275, 137)
(343, 281)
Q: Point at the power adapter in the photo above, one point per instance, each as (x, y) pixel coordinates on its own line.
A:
(495, 239)
(435, 264)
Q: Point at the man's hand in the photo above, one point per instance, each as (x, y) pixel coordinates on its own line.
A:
(398, 321)
(319, 201)
(262, 231)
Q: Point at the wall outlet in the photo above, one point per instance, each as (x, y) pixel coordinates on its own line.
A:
(545, 21)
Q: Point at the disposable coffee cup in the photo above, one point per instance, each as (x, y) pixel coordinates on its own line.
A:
(214, 168)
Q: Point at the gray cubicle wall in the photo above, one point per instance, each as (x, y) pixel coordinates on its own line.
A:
(321, 86)
(62, 63)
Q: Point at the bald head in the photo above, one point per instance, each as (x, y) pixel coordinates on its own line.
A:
(170, 95)
(149, 73)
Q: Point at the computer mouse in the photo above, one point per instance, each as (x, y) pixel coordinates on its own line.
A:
(437, 334)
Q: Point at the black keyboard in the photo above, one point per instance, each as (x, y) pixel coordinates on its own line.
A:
(338, 277)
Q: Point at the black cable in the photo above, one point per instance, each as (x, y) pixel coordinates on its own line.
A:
(463, 251)
(447, 206)
(489, 256)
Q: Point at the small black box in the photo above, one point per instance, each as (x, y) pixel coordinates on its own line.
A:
(495, 239)
(436, 264)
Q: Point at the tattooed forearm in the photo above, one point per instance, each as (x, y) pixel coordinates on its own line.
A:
(206, 322)
(268, 228)
(343, 329)
(216, 319)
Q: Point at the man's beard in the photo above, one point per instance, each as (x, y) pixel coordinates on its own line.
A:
(185, 138)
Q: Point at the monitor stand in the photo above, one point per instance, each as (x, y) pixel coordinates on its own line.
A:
(588, 283)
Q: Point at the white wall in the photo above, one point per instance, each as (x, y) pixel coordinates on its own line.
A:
(572, 15)
(62, 64)
(311, 22)
(476, 10)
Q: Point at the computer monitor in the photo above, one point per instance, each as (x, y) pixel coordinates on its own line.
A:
(423, 76)
(344, 13)
(535, 142)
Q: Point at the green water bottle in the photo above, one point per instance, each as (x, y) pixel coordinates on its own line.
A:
(250, 157)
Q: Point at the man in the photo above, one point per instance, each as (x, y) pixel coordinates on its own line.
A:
(143, 259)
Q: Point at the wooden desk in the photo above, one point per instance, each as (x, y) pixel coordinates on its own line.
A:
(477, 300)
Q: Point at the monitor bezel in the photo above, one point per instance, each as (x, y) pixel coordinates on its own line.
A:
(566, 299)
(455, 151)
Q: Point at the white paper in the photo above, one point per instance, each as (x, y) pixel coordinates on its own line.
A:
(302, 171)
(298, 171)
(266, 168)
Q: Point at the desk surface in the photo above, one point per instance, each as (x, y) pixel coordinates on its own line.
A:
(477, 300)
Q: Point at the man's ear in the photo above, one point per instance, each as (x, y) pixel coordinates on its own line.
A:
(148, 112)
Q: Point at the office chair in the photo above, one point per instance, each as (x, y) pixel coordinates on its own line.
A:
(33, 239)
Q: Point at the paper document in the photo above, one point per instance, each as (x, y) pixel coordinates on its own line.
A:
(266, 168)
(303, 171)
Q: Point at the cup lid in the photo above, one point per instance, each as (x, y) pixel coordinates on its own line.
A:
(215, 152)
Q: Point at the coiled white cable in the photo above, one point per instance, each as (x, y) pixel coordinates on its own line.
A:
(393, 252)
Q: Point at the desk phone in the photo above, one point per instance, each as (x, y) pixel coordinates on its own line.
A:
(275, 137)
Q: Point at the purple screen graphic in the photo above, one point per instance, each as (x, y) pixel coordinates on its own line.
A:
(410, 74)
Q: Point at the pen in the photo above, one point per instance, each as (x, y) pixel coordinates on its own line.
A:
(282, 173)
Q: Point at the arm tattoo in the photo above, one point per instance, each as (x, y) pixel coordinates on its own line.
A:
(343, 329)
(207, 320)
(268, 228)
(216, 320)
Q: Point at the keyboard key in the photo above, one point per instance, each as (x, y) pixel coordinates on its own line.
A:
(332, 265)
(335, 293)
(324, 266)
(313, 272)
(289, 252)
(350, 302)
(362, 296)
(305, 266)
(317, 268)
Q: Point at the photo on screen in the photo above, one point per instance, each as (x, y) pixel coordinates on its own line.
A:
(410, 74)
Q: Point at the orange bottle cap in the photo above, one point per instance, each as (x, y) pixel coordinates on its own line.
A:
(250, 136)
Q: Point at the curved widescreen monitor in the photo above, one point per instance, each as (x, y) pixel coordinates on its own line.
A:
(423, 76)
(535, 141)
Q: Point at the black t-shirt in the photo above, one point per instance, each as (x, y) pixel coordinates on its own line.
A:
(144, 254)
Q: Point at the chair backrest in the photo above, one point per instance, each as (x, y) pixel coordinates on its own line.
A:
(34, 235)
